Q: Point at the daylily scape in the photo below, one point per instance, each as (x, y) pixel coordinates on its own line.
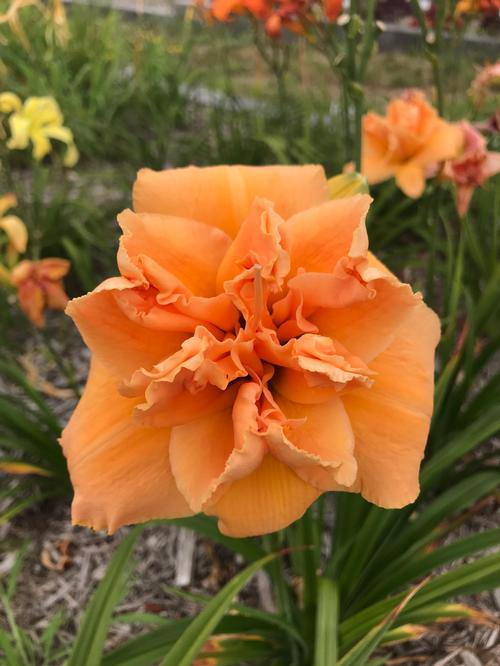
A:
(251, 355)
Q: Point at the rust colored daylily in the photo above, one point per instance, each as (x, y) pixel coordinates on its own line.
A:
(472, 167)
(39, 286)
(407, 143)
(251, 355)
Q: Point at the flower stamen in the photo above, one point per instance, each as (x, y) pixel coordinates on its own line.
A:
(259, 296)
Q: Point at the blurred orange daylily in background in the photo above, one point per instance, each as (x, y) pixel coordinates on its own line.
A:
(39, 286)
(251, 355)
(277, 14)
(486, 7)
(472, 167)
(407, 143)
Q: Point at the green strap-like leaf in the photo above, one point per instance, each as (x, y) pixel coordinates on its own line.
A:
(94, 626)
(201, 628)
(361, 652)
(326, 643)
(471, 578)
(480, 430)
(405, 569)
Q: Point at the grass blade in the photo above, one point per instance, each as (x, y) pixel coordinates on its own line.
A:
(94, 626)
(193, 638)
(326, 644)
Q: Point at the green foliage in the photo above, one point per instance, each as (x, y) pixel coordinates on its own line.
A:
(29, 432)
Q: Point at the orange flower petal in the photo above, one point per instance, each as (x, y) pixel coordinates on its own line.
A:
(53, 268)
(222, 196)
(292, 385)
(319, 237)
(391, 419)
(444, 143)
(367, 328)
(269, 499)
(258, 241)
(121, 344)
(120, 470)
(217, 449)
(168, 405)
(320, 449)
(411, 179)
(190, 250)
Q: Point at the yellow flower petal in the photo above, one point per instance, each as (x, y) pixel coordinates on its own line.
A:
(72, 156)
(16, 231)
(9, 102)
(7, 201)
(41, 145)
(19, 131)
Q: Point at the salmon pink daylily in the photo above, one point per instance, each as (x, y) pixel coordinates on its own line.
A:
(472, 167)
(407, 143)
(39, 286)
(251, 355)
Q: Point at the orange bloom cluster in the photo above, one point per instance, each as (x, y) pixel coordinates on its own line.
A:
(485, 7)
(277, 14)
(407, 143)
(39, 286)
(472, 167)
(251, 355)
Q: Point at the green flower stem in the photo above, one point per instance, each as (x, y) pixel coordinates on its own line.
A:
(431, 215)
(276, 55)
(434, 45)
(38, 181)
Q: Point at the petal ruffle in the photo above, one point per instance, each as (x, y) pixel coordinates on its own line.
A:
(269, 499)
(368, 327)
(221, 196)
(319, 237)
(319, 447)
(391, 419)
(211, 452)
(119, 343)
(190, 250)
(120, 470)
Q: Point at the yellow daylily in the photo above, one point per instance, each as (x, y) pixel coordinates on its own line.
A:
(39, 120)
(14, 228)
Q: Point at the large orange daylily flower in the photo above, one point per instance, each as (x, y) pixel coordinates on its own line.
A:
(40, 286)
(407, 143)
(251, 355)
